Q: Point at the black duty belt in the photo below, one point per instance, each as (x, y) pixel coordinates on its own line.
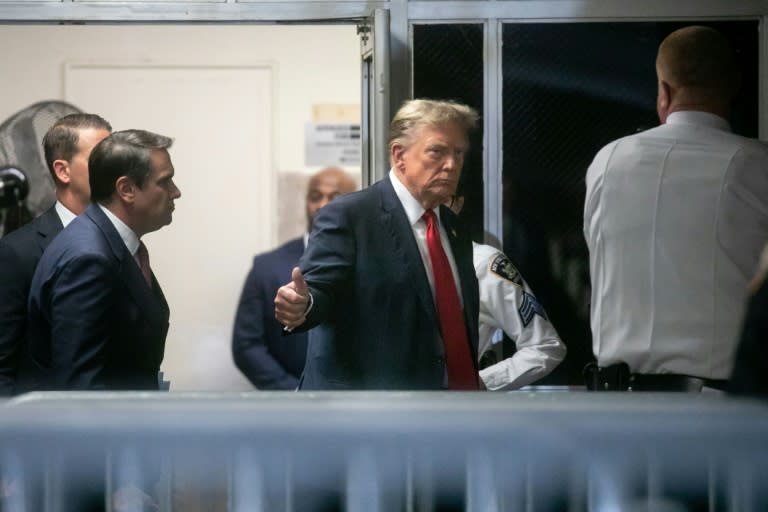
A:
(618, 377)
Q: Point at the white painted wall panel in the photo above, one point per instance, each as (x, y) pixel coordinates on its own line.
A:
(236, 99)
(223, 160)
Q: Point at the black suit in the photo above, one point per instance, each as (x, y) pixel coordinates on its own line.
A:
(377, 327)
(269, 359)
(20, 251)
(750, 370)
(93, 322)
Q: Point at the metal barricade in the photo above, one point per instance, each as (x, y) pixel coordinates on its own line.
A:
(382, 452)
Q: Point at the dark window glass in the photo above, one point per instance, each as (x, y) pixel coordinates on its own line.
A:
(448, 65)
(568, 89)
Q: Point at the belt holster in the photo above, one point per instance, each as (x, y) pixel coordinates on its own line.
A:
(607, 378)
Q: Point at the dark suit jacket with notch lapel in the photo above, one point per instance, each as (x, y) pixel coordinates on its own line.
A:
(268, 358)
(20, 251)
(93, 321)
(373, 307)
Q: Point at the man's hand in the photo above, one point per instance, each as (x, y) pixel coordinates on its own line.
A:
(291, 301)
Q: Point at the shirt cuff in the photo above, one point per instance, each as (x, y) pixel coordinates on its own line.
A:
(310, 304)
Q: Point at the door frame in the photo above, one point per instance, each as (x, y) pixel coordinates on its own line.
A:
(403, 14)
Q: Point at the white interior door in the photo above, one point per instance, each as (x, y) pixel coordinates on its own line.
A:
(223, 156)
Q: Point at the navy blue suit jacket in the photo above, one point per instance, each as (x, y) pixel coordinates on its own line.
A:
(750, 369)
(20, 251)
(377, 327)
(269, 359)
(93, 321)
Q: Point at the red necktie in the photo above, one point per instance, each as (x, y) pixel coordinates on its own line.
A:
(461, 371)
(143, 256)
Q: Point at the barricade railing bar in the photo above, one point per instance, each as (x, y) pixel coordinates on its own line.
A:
(382, 452)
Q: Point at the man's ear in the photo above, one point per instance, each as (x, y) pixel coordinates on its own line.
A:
(126, 189)
(61, 170)
(663, 100)
(396, 152)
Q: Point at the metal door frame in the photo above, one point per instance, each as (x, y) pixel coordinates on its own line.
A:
(403, 14)
(494, 14)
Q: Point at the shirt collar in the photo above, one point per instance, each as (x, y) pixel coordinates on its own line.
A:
(129, 237)
(65, 215)
(413, 210)
(699, 118)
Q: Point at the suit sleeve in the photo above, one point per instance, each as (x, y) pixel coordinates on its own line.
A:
(328, 263)
(507, 302)
(750, 370)
(81, 300)
(13, 313)
(249, 344)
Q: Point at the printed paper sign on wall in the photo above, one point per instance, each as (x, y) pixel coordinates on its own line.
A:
(327, 144)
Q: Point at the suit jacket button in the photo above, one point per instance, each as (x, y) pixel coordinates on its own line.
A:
(439, 361)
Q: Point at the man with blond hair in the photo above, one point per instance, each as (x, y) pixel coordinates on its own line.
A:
(387, 279)
(675, 219)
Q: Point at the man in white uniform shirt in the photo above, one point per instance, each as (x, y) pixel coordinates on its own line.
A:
(508, 304)
(675, 218)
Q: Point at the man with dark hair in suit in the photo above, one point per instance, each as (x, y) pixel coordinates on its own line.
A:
(97, 316)
(387, 280)
(266, 357)
(67, 146)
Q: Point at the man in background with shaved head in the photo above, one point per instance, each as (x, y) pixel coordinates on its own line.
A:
(269, 359)
(675, 219)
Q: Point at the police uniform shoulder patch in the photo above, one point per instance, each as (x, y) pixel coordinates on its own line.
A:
(530, 307)
(503, 267)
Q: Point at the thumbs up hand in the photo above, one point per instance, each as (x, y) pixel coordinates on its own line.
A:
(291, 301)
(299, 284)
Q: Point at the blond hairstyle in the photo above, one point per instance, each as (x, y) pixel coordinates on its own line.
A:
(700, 58)
(415, 114)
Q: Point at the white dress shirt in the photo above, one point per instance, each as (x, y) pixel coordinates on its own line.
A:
(507, 303)
(64, 213)
(414, 211)
(675, 218)
(129, 237)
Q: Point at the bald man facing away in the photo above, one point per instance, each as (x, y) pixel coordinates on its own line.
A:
(267, 358)
(675, 219)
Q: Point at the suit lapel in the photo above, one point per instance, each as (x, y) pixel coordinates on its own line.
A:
(157, 292)
(462, 255)
(404, 244)
(152, 304)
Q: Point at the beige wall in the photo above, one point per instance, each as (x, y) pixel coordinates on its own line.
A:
(315, 64)
(233, 211)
